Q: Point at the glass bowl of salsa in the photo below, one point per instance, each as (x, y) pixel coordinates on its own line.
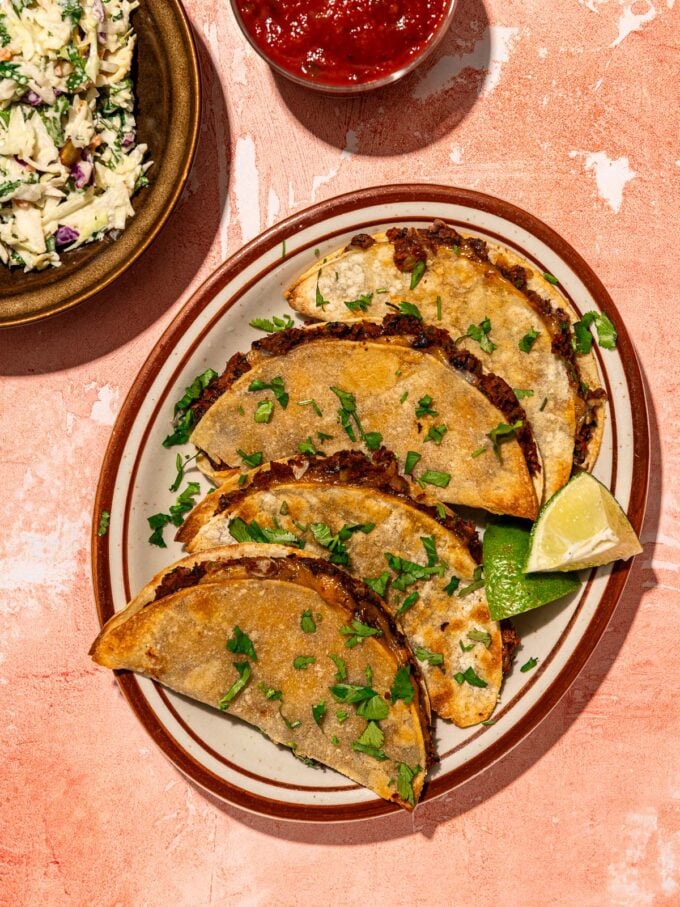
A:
(344, 46)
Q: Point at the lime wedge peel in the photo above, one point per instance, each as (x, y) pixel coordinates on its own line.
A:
(581, 526)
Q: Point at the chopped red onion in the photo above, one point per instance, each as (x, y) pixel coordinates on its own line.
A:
(82, 173)
(32, 98)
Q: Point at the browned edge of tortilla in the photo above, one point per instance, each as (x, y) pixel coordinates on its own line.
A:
(355, 597)
(418, 336)
(347, 467)
(412, 245)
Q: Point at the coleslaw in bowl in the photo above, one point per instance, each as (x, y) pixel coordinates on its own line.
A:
(69, 159)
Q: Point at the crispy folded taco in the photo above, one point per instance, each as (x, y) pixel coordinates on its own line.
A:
(401, 383)
(494, 304)
(292, 645)
(418, 555)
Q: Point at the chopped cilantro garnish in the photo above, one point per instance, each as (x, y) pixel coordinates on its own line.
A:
(321, 303)
(335, 543)
(529, 665)
(528, 341)
(244, 671)
(104, 520)
(503, 431)
(480, 636)
(480, 333)
(606, 332)
(430, 547)
(360, 304)
(477, 583)
(433, 477)
(549, 277)
(402, 687)
(357, 632)
(407, 603)
(469, 677)
(441, 510)
(264, 411)
(183, 417)
(373, 709)
(241, 644)
(466, 648)
(378, 584)
(368, 671)
(408, 572)
(350, 693)
(307, 624)
(403, 397)
(424, 654)
(436, 434)
(478, 452)
(424, 407)
(269, 692)
(409, 308)
(276, 385)
(291, 724)
(301, 662)
(412, 458)
(489, 722)
(347, 415)
(452, 585)
(318, 711)
(370, 742)
(521, 393)
(341, 666)
(405, 778)
(311, 402)
(417, 274)
(342, 715)
(250, 460)
(178, 510)
(253, 532)
(180, 466)
(335, 741)
(309, 447)
(272, 325)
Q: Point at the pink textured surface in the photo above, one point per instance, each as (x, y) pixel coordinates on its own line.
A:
(569, 110)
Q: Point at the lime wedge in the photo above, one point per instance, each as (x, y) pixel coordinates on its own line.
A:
(581, 526)
(508, 590)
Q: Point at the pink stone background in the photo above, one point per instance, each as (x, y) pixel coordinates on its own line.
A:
(568, 109)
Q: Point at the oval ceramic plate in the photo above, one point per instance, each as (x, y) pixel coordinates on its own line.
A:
(234, 761)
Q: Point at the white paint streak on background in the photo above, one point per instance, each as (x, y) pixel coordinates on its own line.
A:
(490, 53)
(611, 175)
(105, 408)
(630, 21)
(43, 559)
(247, 187)
(273, 207)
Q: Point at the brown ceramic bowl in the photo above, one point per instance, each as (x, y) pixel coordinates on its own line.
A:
(167, 88)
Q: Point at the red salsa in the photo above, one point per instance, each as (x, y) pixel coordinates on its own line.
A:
(342, 42)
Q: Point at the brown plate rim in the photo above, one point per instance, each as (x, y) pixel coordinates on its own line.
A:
(355, 202)
(192, 133)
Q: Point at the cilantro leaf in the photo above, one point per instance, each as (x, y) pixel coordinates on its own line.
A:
(520, 393)
(436, 434)
(402, 687)
(241, 644)
(271, 326)
(307, 624)
(244, 671)
(549, 277)
(342, 716)
(452, 585)
(409, 308)
(350, 693)
(503, 432)
(477, 583)
(373, 709)
(276, 385)
(480, 333)
(412, 458)
(341, 666)
(407, 603)
(405, 778)
(417, 274)
(321, 303)
(311, 402)
(433, 477)
(318, 711)
(183, 417)
(362, 303)
(104, 520)
(253, 532)
(301, 662)
(357, 632)
(529, 665)
(424, 654)
(264, 411)
(269, 692)
(250, 460)
(480, 636)
(378, 584)
(424, 407)
(606, 332)
(470, 677)
(528, 341)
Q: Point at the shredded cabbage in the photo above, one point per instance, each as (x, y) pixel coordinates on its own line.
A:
(69, 158)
